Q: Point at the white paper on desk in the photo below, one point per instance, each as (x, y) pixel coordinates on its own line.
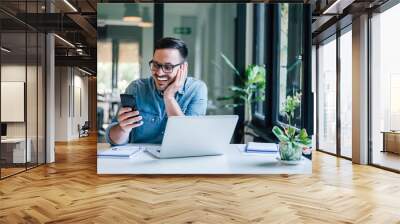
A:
(261, 147)
(120, 151)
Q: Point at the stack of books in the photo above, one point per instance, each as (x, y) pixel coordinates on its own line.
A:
(260, 147)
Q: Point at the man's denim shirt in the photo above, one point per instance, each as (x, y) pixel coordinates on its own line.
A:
(192, 98)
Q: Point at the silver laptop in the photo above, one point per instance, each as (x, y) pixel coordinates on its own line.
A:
(187, 136)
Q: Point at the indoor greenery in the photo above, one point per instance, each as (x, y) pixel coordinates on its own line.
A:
(291, 143)
(250, 89)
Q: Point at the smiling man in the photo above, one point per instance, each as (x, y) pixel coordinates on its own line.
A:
(169, 92)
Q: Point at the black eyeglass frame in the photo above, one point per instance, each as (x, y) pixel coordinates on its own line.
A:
(162, 66)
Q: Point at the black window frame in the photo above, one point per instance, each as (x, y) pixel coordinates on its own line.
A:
(271, 62)
(259, 8)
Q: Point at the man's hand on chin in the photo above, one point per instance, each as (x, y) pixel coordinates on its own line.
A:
(170, 91)
(171, 105)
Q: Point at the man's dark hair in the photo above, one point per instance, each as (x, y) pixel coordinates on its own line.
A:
(172, 43)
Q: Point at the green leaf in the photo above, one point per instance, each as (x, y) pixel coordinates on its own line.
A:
(290, 105)
(303, 134)
(307, 142)
(291, 131)
(255, 74)
(259, 79)
(280, 134)
(229, 63)
(250, 72)
(304, 144)
(303, 139)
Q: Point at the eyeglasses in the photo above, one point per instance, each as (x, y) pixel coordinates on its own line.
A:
(167, 68)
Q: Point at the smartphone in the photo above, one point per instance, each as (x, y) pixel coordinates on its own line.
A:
(128, 100)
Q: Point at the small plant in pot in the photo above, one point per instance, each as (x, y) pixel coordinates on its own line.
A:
(291, 143)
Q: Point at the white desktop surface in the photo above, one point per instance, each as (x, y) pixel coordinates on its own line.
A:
(19, 149)
(232, 162)
(13, 140)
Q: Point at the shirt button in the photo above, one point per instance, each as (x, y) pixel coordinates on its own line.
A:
(162, 132)
(152, 120)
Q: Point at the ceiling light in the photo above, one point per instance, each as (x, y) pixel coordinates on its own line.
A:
(5, 50)
(131, 13)
(70, 5)
(65, 41)
(84, 71)
(146, 19)
(337, 7)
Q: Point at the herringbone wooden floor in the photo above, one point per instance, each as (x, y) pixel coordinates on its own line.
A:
(70, 191)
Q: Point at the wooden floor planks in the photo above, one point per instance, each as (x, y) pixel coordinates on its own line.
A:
(70, 191)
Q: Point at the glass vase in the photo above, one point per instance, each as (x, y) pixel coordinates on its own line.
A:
(289, 152)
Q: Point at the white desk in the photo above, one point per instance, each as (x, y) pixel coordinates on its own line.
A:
(18, 153)
(232, 162)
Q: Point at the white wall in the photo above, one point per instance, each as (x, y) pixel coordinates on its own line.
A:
(15, 73)
(69, 82)
(33, 126)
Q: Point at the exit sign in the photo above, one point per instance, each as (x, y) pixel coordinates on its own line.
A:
(182, 30)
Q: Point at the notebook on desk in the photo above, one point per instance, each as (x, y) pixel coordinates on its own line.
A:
(261, 147)
(120, 151)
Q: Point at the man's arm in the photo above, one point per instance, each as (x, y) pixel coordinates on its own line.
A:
(118, 136)
(172, 107)
(127, 120)
(118, 131)
(198, 106)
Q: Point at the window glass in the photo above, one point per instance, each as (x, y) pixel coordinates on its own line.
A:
(385, 88)
(14, 69)
(327, 96)
(128, 64)
(208, 30)
(104, 66)
(259, 48)
(124, 47)
(346, 94)
(290, 66)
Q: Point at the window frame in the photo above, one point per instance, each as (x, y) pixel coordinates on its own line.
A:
(259, 119)
(272, 72)
(333, 37)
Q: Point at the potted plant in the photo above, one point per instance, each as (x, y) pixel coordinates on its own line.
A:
(291, 143)
(252, 81)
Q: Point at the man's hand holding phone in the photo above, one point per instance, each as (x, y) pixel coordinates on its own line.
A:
(129, 119)
(128, 115)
